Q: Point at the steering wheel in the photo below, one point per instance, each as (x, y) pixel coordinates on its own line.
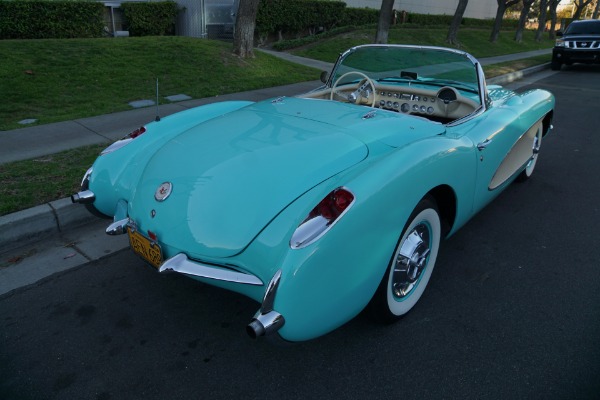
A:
(449, 99)
(354, 96)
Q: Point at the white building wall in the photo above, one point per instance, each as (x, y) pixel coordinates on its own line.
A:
(190, 21)
(481, 9)
(206, 18)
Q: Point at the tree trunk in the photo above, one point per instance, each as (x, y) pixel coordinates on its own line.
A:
(541, 20)
(245, 21)
(502, 6)
(596, 13)
(385, 19)
(580, 5)
(456, 20)
(523, 20)
(498, 21)
(552, 11)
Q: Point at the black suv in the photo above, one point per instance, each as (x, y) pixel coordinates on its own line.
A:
(580, 43)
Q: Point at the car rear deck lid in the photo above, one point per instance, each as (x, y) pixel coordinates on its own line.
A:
(230, 176)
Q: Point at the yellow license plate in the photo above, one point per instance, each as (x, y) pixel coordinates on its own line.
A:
(146, 249)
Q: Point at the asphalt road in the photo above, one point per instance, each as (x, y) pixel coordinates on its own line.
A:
(512, 310)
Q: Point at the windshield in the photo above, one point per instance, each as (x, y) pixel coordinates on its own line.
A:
(584, 28)
(409, 65)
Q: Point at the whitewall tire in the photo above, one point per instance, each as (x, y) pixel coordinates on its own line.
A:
(411, 264)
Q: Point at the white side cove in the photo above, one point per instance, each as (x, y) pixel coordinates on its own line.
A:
(523, 152)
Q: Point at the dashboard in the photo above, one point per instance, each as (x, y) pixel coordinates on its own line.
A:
(444, 104)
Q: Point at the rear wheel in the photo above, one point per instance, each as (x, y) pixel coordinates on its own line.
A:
(411, 265)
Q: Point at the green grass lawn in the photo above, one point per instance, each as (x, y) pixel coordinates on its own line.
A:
(29, 183)
(61, 79)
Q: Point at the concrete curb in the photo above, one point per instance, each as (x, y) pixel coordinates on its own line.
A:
(41, 222)
(38, 223)
(513, 76)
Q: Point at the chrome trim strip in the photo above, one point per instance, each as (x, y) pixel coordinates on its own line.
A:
(269, 298)
(85, 181)
(116, 145)
(182, 264)
(370, 114)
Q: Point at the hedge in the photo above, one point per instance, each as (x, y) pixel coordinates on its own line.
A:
(150, 19)
(297, 16)
(293, 43)
(359, 16)
(306, 17)
(56, 19)
(446, 20)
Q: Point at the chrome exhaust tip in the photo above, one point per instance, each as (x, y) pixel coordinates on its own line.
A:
(267, 321)
(83, 197)
(265, 324)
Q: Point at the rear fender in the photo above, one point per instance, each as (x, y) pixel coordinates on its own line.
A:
(327, 283)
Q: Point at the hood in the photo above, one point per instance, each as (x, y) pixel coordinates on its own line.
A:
(581, 37)
(233, 174)
(366, 124)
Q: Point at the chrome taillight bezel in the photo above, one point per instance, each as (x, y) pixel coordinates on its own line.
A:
(124, 141)
(312, 228)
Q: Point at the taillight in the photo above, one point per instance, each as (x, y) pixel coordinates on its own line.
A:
(139, 131)
(332, 205)
(321, 218)
(126, 139)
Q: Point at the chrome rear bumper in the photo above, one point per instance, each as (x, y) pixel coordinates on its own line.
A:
(266, 321)
(182, 264)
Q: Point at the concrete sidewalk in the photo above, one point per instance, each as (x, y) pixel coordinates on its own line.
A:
(42, 140)
(73, 235)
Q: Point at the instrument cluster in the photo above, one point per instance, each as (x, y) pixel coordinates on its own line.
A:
(406, 102)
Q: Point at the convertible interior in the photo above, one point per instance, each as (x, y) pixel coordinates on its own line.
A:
(442, 85)
(444, 104)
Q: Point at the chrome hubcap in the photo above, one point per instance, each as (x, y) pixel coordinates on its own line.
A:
(411, 261)
(536, 145)
(535, 150)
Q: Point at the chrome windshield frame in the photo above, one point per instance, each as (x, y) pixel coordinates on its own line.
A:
(481, 84)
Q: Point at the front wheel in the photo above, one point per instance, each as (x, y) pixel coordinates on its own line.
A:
(411, 265)
(535, 150)
(555, 65)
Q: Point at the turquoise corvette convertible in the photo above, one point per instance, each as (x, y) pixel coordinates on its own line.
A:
(321, 205)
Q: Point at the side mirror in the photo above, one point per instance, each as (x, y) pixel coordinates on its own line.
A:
(559, 34)
(324, 76)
